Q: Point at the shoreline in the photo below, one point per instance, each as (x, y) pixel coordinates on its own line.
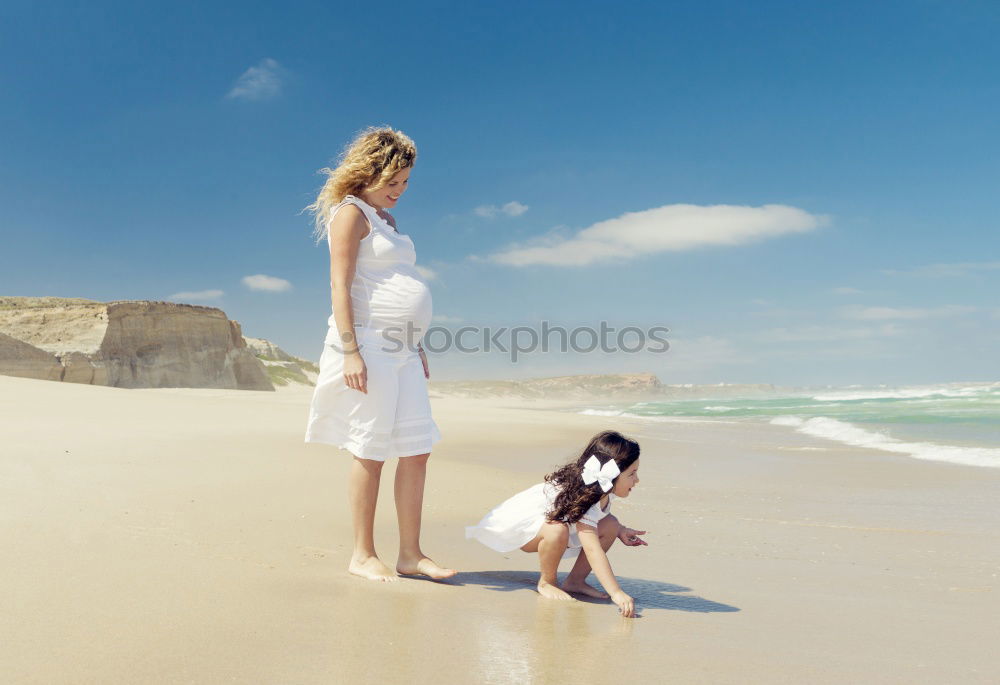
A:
(933, 437)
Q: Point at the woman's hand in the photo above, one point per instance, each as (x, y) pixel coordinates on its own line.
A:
(423, 360)
(625, 604)
(355, 372)
(630, 537)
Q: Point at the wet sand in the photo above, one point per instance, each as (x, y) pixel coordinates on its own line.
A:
(189, 536)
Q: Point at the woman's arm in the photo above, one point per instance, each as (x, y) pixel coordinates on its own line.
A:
(346, 231)
(599, 563)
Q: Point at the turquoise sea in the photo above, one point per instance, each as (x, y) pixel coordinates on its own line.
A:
(952, 422)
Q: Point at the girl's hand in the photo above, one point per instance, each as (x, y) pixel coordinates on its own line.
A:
(423, 360)
(355, 372)
(630, 537)
(625, 604)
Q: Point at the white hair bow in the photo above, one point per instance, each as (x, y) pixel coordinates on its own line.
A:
(592, 470)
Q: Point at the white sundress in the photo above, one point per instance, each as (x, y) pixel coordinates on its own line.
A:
(392, 311)
(516, 522)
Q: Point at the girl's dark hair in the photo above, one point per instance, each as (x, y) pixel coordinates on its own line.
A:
(575, 497)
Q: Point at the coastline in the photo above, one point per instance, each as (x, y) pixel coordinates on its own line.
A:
(177, 535)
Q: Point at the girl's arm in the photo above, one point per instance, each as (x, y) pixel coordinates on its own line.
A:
(599, 563)
(630, 536)
(346, 231)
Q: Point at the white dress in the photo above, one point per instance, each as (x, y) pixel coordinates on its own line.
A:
(516, 522)
(392, 311)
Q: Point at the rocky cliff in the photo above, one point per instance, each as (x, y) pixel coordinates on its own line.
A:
(18, 358)
(126, 344)
(283, 368)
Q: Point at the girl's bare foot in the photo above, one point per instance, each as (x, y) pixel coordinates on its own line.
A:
(371, 568)
(580, 587)
(547, 589)
(423, 567)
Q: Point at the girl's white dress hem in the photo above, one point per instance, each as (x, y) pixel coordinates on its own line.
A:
(516, 521)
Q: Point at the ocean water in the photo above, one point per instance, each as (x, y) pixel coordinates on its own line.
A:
(952, 422)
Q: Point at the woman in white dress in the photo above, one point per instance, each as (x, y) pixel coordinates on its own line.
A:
(371, 393)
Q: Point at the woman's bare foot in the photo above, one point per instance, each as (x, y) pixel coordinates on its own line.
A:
(423, 567)
(547, 589)
(371, 568)
(580, 587)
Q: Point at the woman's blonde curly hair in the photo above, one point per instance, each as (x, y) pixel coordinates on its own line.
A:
(367, 163)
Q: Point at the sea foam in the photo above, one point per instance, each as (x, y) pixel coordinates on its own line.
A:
(909, 393)
(849, 434)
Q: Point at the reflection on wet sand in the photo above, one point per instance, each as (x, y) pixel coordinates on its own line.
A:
(567, 642)
(412, 630)
(554, 643)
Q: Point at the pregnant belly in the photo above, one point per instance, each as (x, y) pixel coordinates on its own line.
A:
(391, 315)
(402, 304)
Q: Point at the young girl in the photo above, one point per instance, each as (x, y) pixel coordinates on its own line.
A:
(570, 511)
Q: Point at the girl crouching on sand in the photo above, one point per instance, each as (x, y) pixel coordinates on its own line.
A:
(570, 511)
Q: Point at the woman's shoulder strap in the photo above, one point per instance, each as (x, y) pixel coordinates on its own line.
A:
(351, 200)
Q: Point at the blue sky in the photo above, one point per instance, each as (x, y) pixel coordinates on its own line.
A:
(150, 150)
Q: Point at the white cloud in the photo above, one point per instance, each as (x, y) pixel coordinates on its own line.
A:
(905, 313)
(846, 291)
(196, 295)
(943, 270)
(512, 208)
(776, 312)
(268, 283)
(798, 334)
(258, 83)
(428, 274)
(671, 228)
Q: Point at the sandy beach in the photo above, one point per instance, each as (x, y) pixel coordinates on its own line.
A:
(189, 536)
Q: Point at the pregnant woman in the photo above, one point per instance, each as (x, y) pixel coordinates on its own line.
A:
(371, 394)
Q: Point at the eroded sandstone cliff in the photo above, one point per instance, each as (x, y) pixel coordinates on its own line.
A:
(126, 344)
